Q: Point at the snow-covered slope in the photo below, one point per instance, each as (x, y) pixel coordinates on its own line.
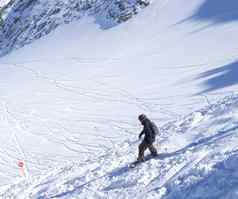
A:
(3, 3)
(28, 20)
(69, 98)
(198, 159)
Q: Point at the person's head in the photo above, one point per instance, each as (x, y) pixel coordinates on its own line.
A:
(142, 118)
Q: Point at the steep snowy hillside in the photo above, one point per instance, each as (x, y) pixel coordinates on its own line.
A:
(198, 159)
(70, 97)
(28, 20)
(3, 3)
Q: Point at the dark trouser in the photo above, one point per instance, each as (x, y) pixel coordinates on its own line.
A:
(142, 148)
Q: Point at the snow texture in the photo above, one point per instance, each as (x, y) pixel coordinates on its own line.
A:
(204, 167)
(70, 98)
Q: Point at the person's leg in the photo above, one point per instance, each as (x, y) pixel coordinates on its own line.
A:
(142, 147)
(153, 150)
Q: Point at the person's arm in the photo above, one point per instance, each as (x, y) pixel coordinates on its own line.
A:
(142, 132)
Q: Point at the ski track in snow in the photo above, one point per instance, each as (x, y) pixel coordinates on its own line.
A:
(109, 176)
(70, 113)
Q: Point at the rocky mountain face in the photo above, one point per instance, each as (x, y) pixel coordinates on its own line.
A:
(27, 20)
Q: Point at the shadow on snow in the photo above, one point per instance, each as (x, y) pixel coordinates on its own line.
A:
(221, 77)
(214, 11)
(221, 183)
(221, 11)
(162, 156)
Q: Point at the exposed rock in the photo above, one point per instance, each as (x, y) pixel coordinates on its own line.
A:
(27, 20)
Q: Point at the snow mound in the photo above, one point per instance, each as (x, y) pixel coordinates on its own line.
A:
(197, 158)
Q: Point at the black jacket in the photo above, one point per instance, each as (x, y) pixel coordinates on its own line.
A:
(149, 132)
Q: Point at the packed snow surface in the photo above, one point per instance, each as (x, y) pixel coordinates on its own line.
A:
(198, 157)
(69, 103)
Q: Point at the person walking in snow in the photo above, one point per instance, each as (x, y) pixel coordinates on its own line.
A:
(150, 130)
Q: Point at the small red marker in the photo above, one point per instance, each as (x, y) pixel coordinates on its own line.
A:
(21, 163)
(21, 166)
